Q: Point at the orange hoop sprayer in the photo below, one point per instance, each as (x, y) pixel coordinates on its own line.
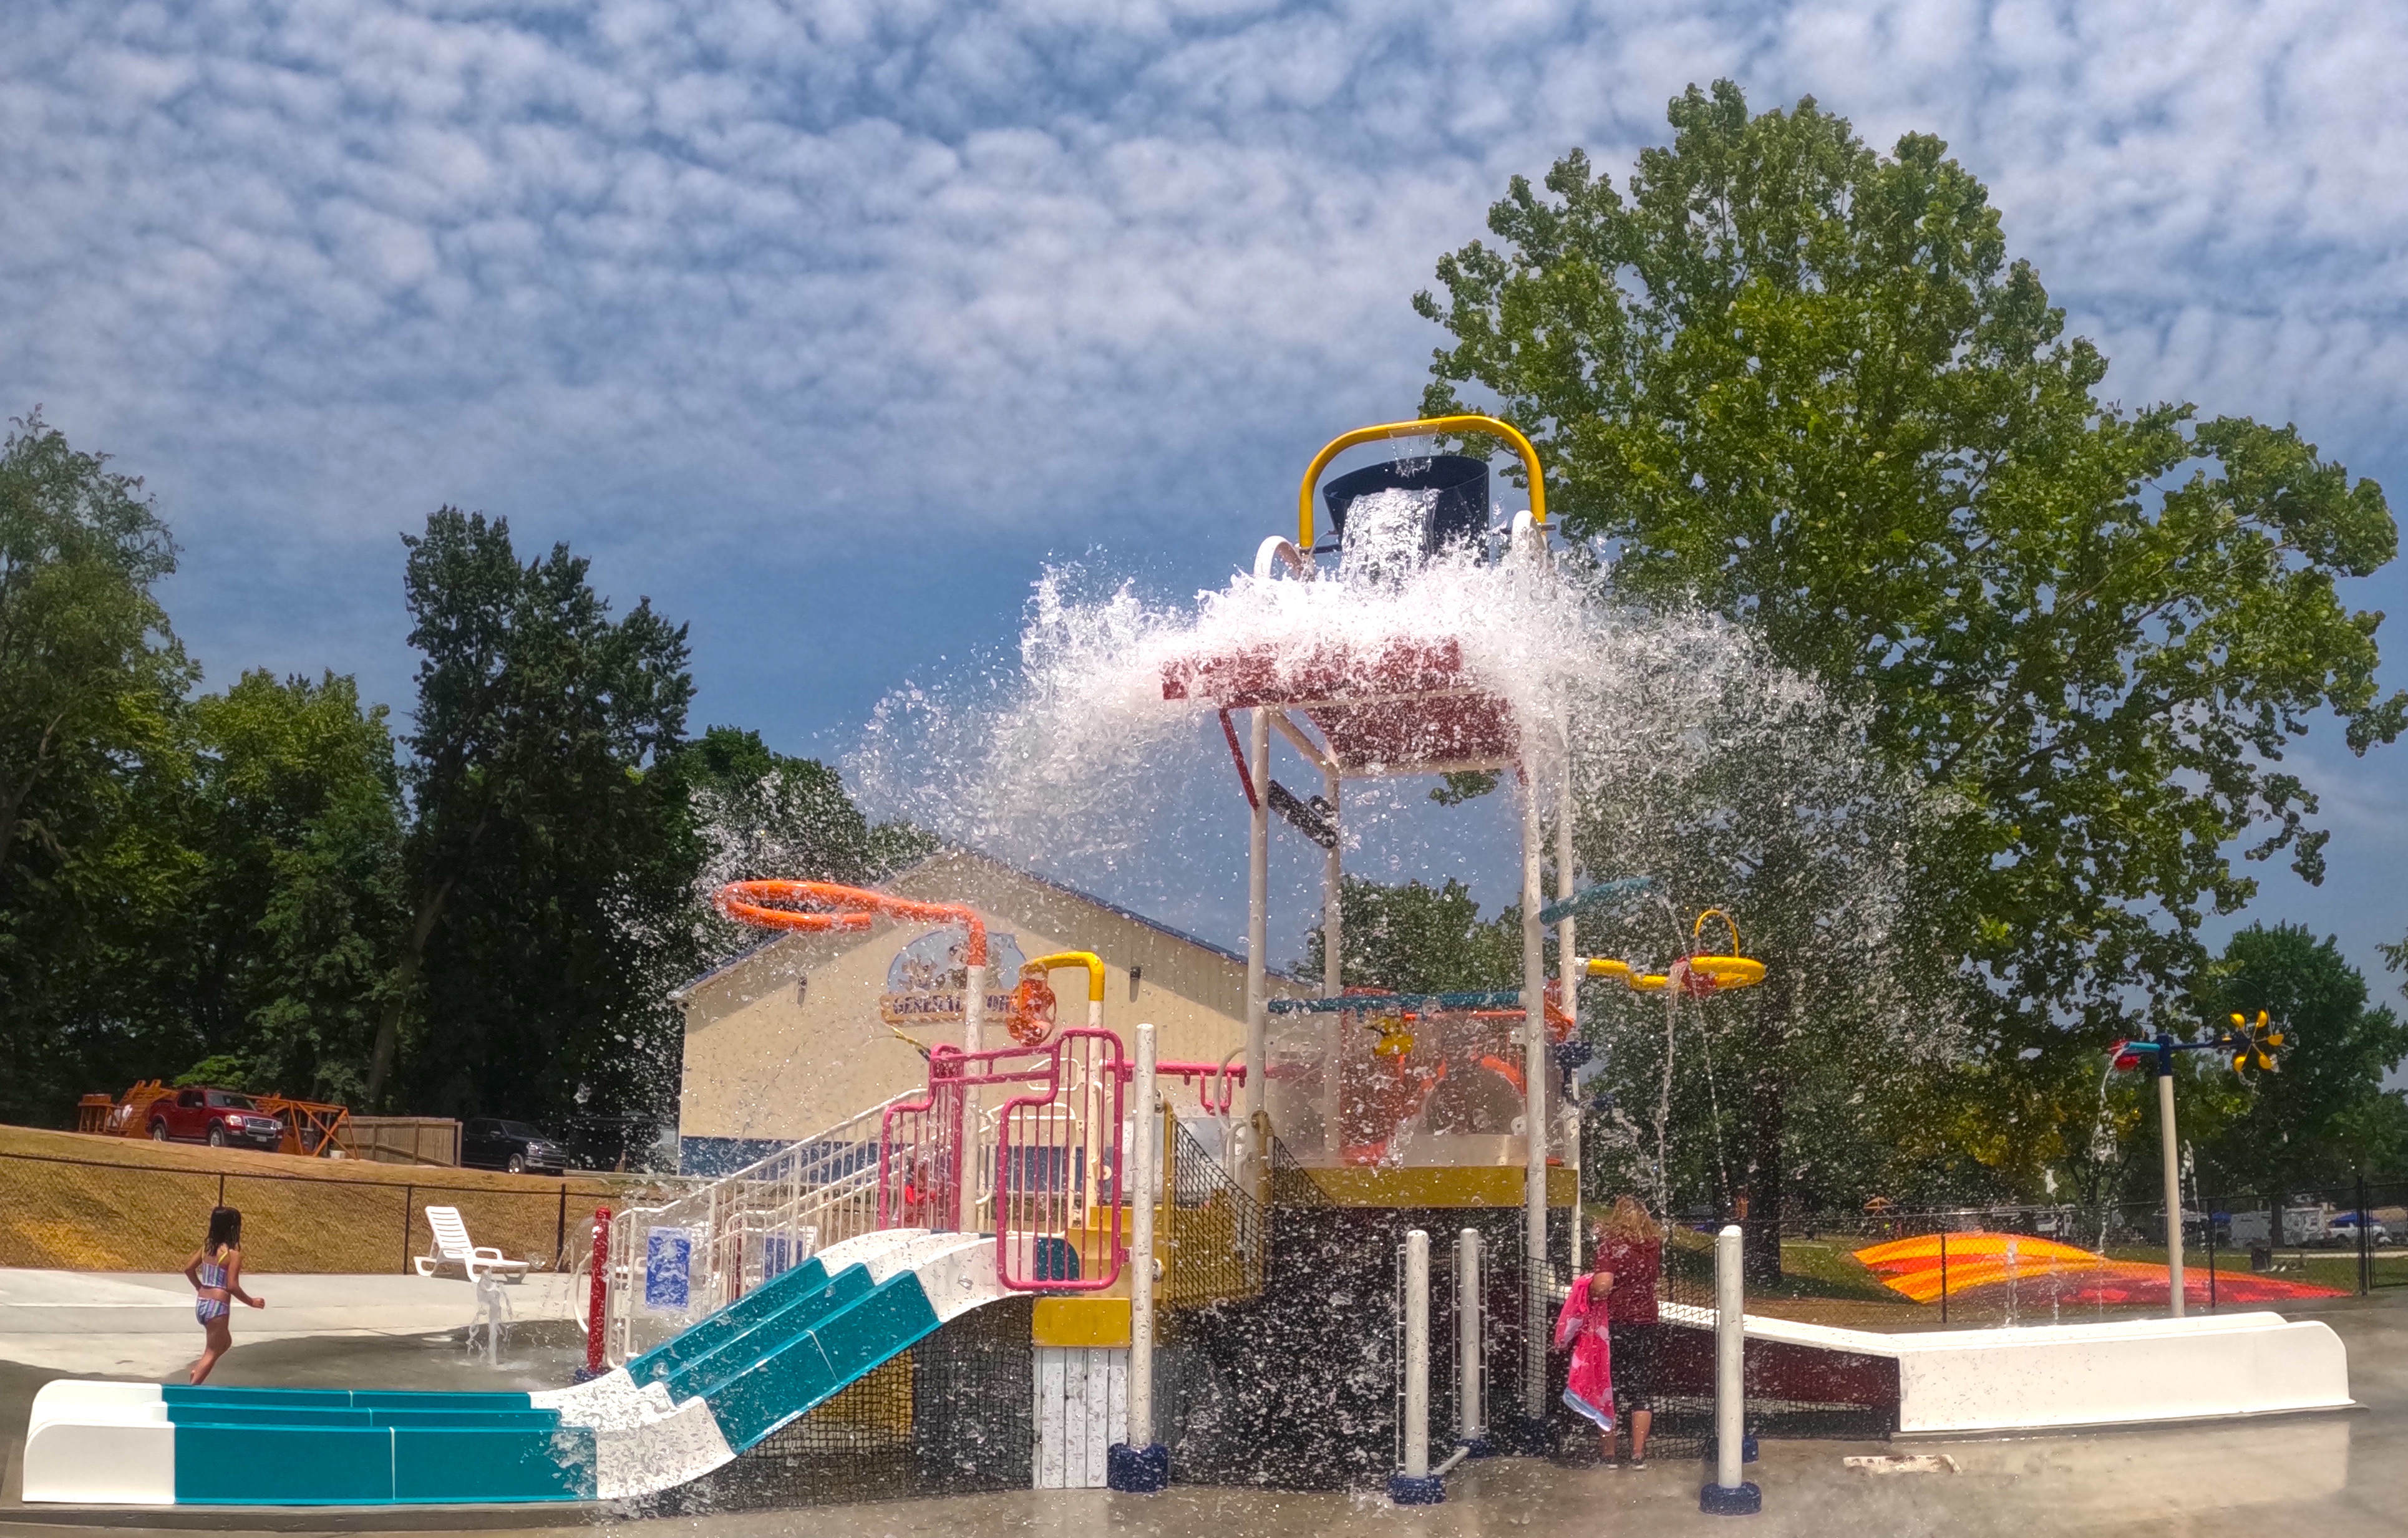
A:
(825, 908)
(1033, 1002)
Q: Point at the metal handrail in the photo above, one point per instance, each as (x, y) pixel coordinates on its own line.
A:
(1425, 427)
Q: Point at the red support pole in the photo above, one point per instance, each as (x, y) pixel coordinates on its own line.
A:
(597, 1309)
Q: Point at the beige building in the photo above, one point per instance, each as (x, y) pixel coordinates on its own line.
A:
(804, 1030)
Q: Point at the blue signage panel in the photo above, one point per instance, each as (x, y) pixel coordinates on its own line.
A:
(668, 1262)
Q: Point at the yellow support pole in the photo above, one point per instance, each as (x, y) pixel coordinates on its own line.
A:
(1424, 427)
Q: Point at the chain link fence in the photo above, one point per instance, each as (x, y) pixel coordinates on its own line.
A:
(124, 1214)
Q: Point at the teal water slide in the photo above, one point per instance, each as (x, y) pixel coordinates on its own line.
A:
(671, 1415)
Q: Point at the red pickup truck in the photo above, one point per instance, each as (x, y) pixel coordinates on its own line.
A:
(220, 1117)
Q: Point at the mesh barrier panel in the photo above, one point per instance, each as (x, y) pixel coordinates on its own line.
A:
(1296, 1387)
(953, 1415)
(1213, 1231)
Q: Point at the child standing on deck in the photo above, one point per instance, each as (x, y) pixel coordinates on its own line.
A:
(1632, 1257)
(1588, 1385)
(215, 1271)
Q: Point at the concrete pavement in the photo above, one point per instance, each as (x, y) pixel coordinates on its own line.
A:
(2338, 1476)
(139, 1324)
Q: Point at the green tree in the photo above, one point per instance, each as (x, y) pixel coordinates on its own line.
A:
(551, 856)
(2325, 1114)
(90, 757)
(296, 909)
(1803, 382)
(1414, 938)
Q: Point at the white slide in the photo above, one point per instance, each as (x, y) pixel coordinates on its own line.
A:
(2111, 1373)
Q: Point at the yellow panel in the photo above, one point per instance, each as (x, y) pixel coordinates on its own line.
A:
(1081, 1322)
(1481, 1186)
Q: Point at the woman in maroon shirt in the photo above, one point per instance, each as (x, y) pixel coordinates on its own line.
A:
(1633, 1251)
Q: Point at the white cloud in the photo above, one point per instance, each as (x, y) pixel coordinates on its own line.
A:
(737, 232)
(728, 236)
(653, 269)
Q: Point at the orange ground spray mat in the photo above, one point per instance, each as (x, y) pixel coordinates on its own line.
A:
(2045, 1270)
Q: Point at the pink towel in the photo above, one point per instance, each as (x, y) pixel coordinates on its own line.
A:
(1589, 1388)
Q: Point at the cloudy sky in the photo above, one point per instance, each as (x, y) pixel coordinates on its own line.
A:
(827, 324)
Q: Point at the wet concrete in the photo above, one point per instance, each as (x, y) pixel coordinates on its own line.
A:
(138, 1324)
(2336, 1476)
(540, 1355)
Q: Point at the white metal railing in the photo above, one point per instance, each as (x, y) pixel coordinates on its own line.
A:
(1061, 1190)
(739, 1231)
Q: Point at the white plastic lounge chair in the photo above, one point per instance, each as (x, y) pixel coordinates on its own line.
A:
(452, 1248)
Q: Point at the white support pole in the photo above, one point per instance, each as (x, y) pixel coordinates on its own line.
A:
(1728, 1495)
(2172, 1161)
(974, 1009)
(1142, 1179)
(1470, 1422)
(1730, 1357)
(1534, 1095)
(1140, 1464)
(1414, 1485)
(1417, 1355)
(1258, 876)
(1332, 882)
(1567, 970)
(973, 1042)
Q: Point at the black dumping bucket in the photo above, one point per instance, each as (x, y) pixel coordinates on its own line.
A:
(1459, 514)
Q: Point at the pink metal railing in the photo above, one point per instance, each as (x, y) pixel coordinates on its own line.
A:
(1058, 1170)
(1043, 1167)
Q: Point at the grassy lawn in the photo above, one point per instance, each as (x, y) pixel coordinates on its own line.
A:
(1824, 1268)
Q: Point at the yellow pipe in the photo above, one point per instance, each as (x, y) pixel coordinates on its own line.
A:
(1647, 982)
(1423, 428)
(1088, 958)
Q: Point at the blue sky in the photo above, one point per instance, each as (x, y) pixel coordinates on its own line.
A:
(827, 324)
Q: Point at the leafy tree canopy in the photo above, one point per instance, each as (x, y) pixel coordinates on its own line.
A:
(1805, 382)
(91, 679)
(297, 816)
(2325, 1112)
(770, 815)
(550, 861)
(1414, 938)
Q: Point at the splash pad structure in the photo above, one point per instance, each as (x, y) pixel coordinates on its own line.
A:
(1037, 1165)
(1381, 1083)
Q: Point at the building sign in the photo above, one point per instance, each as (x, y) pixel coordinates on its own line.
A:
(924, 981)
(669, 1269)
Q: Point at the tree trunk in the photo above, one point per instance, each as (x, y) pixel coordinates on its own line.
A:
(387, 1053)
(13, 799)
(12, 805)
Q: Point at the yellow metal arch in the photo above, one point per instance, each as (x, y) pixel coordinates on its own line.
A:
(1423, 428)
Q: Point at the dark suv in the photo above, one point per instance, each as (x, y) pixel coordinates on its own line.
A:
(490, 1143)
(219, 1117)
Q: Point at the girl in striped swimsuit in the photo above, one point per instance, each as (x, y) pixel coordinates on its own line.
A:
(215, 1271)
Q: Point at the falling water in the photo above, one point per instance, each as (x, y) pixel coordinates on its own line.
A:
(1065, 757)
